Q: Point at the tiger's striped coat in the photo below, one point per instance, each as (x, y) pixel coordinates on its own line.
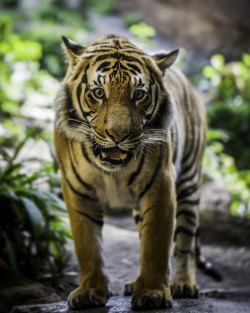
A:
(130, 131)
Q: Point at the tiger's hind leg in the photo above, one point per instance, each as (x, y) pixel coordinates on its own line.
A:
(129, 285)
(187, 219)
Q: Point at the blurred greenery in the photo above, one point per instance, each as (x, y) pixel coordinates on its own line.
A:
(33, 231)
(221, 166)
(227, 154)
(230, 111)
(144, 35)
(102, 7)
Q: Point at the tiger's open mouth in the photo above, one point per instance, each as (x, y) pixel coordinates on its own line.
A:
(114, 155)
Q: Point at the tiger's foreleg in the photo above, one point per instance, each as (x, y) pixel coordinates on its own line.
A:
(86, 224)
(187, 219)
(158, 209)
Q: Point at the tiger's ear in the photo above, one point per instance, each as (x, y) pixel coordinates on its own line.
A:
(72, 49)
(165, 59)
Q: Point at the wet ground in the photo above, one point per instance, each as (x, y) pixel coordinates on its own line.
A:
(121, 249)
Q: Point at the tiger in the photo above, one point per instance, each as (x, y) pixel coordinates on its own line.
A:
(130, 131)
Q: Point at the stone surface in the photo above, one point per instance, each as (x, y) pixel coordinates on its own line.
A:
(216, 27)
(214, 196)
(122, 305)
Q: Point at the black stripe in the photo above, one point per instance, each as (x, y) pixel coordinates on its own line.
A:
(147, 210)
(163, 110)
(187, 155)
(153, 176)
(85, 154)
(99, 134)
(193, 161)
(183, 252)
(116, 42)
(182, 181)
(92, 120)
(191, 202)
(103, 50)
(136, 52)
(130, 59)
(78, 93)
(100, 223)
(134, 67)
(71, 113)
(92, 100)
(137, 219)
(138, 170)
(186, 212)
(156, 101)
(191, 222)
(181, 229)
(174, 137)
(86, 185)
(187, 192)
(103, 65)
(72, 188)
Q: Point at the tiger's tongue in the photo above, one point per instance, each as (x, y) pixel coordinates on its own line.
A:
(115, 154)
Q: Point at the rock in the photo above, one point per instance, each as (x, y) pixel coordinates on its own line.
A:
(214, 196)
(122, 305)
(216, 27)
(27, 293)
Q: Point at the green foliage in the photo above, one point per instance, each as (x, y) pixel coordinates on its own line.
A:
(231, 110)
(102, 7)
(130, 18)
(33, 232)
(222, 166)
(26, 91)
(143, 33)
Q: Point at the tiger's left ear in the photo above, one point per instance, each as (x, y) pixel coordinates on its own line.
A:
(72, 49)
(165, 59)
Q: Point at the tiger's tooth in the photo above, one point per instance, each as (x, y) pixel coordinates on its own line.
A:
(104, 155)
(123, 156)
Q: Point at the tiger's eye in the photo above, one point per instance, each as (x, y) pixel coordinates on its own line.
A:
(138, 94)
(99, 93)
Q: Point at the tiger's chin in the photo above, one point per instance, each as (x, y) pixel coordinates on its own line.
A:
(112, 158)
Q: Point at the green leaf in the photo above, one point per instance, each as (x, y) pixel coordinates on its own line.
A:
(35, 216)
(209, 72)
(29, 134)
(218, 61)
(4, 154)
(10, 170)
(246, 59)
(10, 250)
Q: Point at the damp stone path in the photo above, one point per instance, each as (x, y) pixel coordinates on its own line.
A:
(122, 305)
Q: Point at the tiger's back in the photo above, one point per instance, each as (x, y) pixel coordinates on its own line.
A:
(126, 135)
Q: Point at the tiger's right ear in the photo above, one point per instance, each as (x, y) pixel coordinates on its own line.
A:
(72, 49)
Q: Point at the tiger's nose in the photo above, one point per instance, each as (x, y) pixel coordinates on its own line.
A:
(118, 136)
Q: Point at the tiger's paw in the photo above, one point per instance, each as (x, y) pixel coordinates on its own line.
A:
(147, 298)
(129, 288)
(80, 299)
(185, 290)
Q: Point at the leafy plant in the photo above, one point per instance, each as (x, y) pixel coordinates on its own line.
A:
(102, 7)
(33, 231)
(26, 91)
(230, 111)
(222, 166)
(144, 34)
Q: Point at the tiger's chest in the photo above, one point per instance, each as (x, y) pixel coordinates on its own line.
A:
(115, 193)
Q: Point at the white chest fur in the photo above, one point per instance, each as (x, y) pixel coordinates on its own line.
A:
(115, 193)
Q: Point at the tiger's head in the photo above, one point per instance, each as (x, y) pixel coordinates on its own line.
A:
(113, 97)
